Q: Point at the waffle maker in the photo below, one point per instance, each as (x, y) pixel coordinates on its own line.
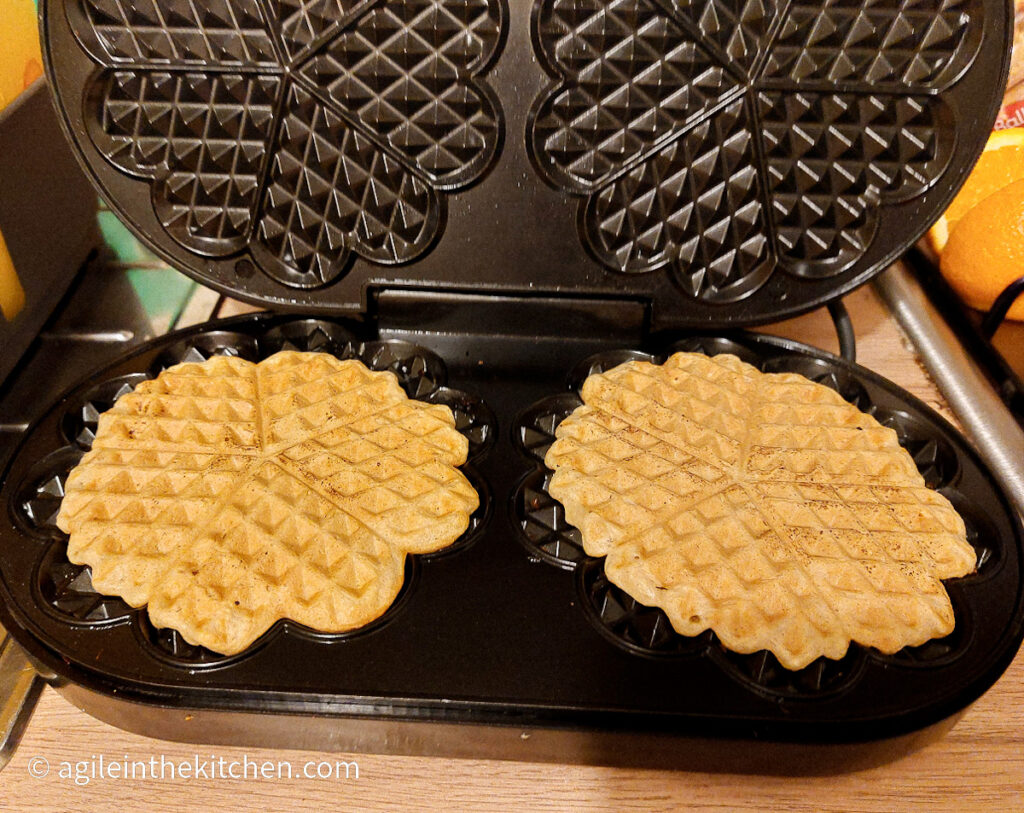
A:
(493, 200)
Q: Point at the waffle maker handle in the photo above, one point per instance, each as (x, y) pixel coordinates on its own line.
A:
(20, 686)
(986, 421)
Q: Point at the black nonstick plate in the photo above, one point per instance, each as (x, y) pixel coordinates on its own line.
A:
(729, 161)
(512, 643)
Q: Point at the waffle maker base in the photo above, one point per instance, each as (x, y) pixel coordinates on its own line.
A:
(509, 195)
(511, 644)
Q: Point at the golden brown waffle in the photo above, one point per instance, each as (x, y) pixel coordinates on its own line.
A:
(227, 495)
(761, 506)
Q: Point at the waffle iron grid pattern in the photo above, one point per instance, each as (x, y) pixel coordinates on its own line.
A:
(728, 140)
(302, 131)
(733, 159)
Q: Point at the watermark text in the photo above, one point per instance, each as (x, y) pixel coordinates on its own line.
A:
(200, 767)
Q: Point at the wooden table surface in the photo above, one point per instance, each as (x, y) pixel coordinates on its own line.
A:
(978, 765)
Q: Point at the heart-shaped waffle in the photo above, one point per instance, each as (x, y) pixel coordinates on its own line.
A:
(761, 506)
(227, 495)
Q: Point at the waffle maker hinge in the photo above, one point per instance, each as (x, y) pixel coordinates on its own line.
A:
(475, 329)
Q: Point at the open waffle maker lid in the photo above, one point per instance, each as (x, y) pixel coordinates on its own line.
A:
(672, 165)
(728, 162)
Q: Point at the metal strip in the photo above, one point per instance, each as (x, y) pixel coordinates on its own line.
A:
(19, 689)
(986, 421)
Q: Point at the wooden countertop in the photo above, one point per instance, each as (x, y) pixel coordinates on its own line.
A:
(979, 764)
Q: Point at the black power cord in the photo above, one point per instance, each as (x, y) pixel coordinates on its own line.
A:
(997, 314)
(844, 330)
(975, 339)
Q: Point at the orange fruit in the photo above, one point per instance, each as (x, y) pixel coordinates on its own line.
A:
(985, 252)
(1000, 164)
